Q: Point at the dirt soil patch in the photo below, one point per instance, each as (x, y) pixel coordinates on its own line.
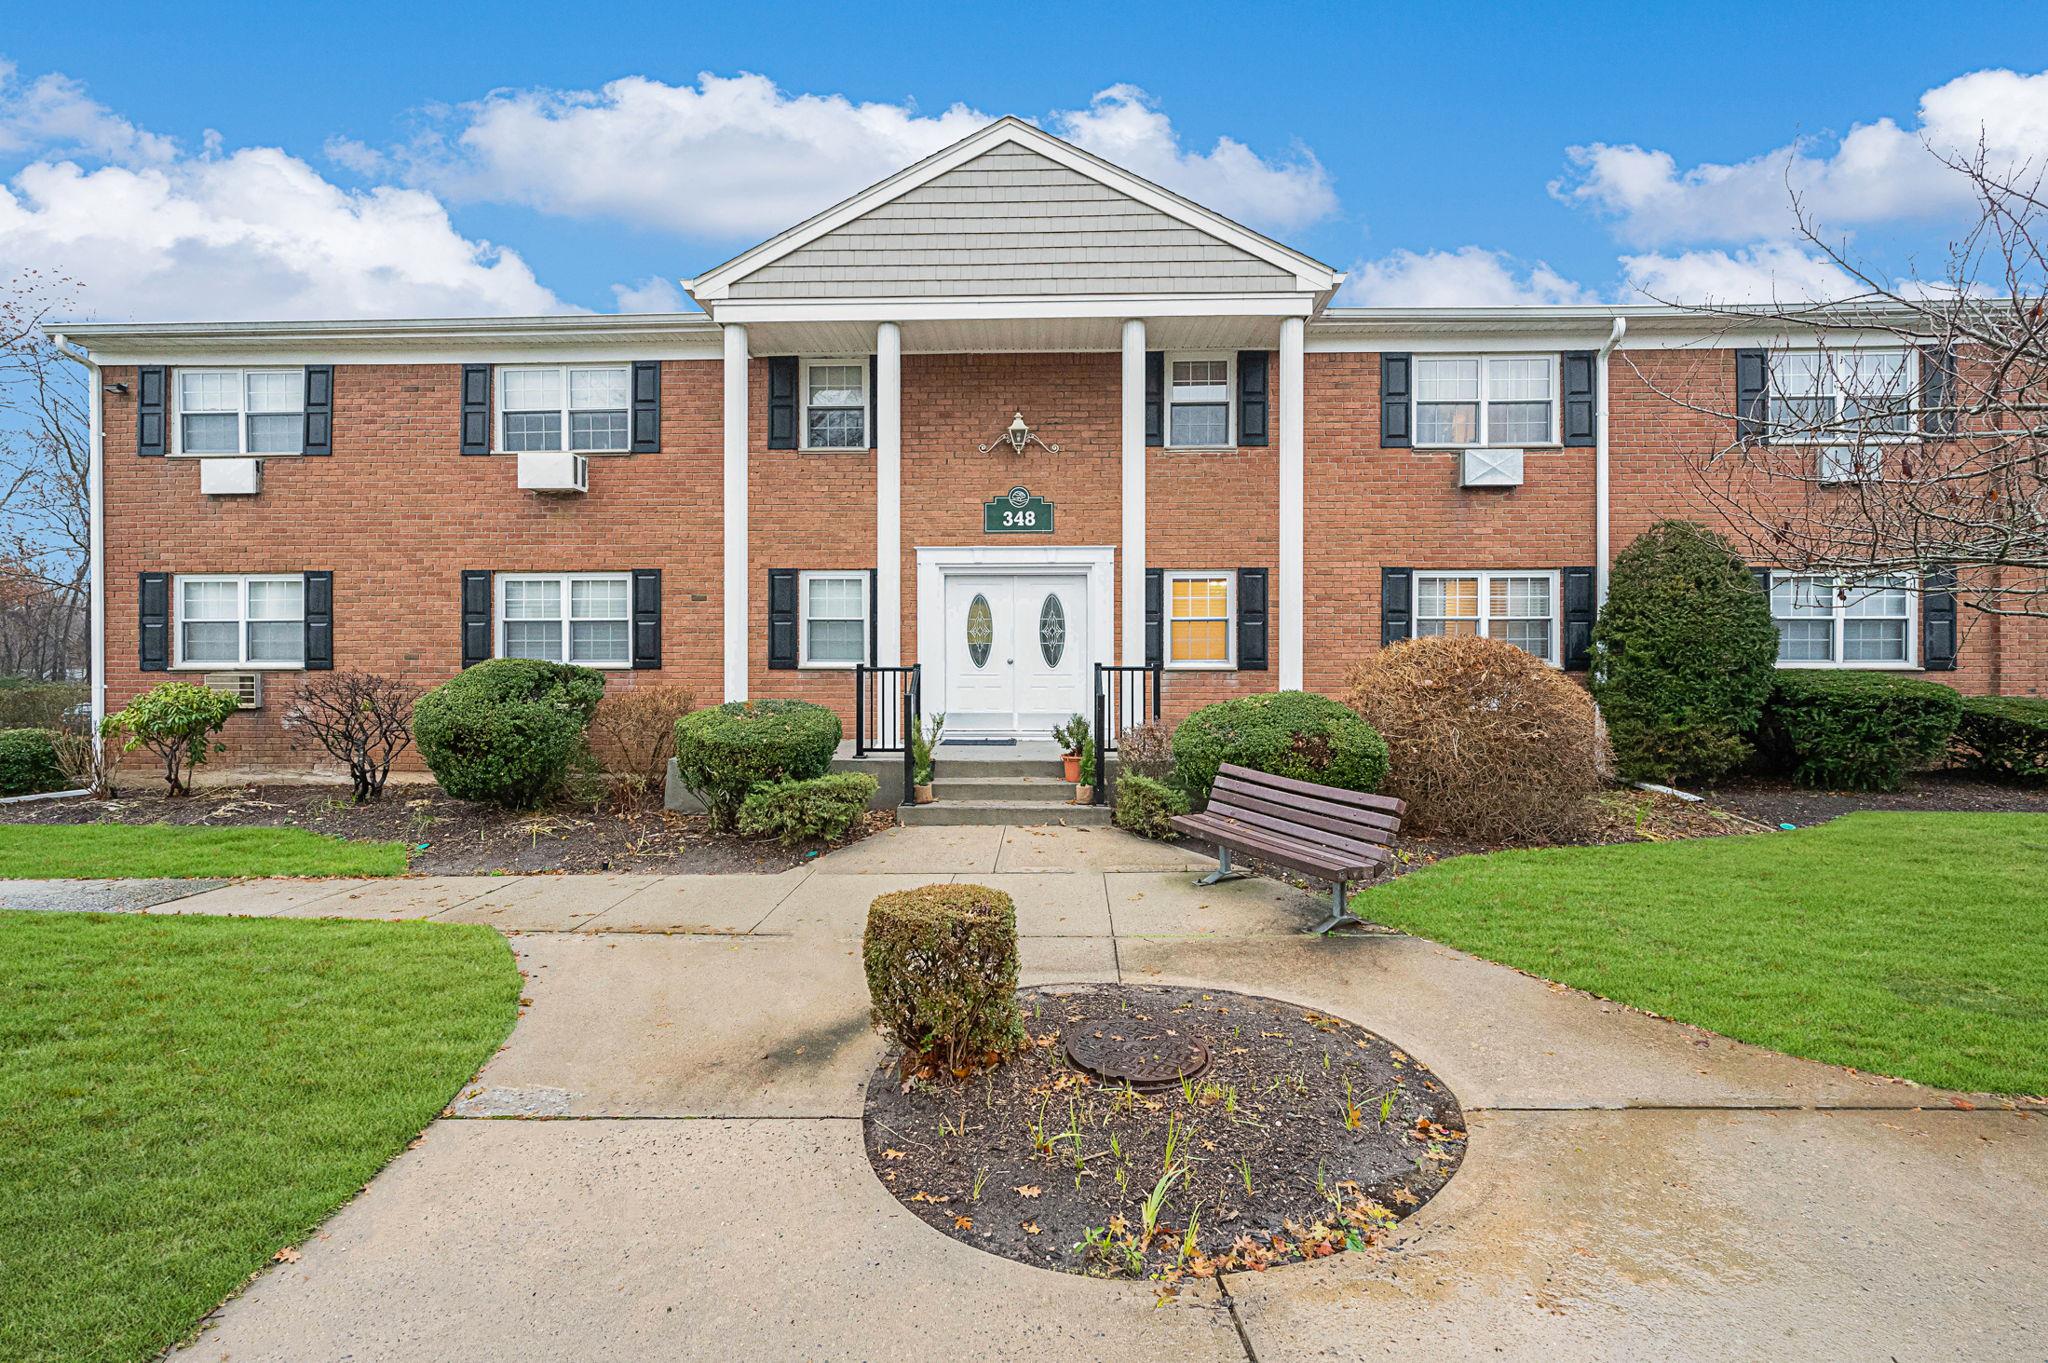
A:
(1772, 803)
(447, 836)
(1305, 1135)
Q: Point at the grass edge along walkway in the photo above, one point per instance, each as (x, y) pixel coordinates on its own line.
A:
(149, 851)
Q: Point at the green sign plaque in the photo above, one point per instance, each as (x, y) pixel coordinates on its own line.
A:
(1016, 512)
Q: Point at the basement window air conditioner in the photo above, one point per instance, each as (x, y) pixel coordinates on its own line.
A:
(1490, 468)
(231, 477)
(554, 473)
(245, 687)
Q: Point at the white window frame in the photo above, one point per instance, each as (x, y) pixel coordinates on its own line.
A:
(563, 583)
(1839, 615)
(1832, 391)
(1229, 359)
(241, 661)
(804, 580)
(564, 410)
(803, 381)
(1485, 577)
(175, 401)
(1485, 361)
(1229, 660)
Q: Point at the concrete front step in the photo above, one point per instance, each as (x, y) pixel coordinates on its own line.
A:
(1041, 789)
(971, 762)
(1021, 813)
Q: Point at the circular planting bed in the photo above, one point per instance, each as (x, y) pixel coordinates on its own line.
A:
(1165, 1133)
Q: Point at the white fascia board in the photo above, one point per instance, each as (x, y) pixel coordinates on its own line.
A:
(554, 353)
(401, 340)
(714, 285)
(1019, 306)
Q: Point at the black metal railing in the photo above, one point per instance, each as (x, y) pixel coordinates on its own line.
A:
(1124, 696)
(888, 707)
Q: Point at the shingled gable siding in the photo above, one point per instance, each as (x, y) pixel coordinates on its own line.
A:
(1012, 222)
(398, 513)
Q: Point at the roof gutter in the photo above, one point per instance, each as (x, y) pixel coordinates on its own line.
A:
(1602, 530)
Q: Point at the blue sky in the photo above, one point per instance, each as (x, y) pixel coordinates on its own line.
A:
(274, 160)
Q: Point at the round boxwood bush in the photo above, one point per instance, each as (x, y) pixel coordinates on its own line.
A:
(503, 731)
(941, 963)
(1858, 730)
(1146, 807)
(724, 752)
(2005, 738)
(1684, 652)
(28, 762)
(1296, 734)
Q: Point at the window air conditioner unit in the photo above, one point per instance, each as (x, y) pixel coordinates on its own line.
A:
(1844, 464)
(231, 477)
(1491, 468)
(245, 687)
(554, 473)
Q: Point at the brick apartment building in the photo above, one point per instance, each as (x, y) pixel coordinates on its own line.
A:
(1009, 414)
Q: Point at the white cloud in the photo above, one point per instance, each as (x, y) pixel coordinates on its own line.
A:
(1470, 277)
(1768, 272)
(736, 156)
(652, 294)
(1877, 172)
(254, 233)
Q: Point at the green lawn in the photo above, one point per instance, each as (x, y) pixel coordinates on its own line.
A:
(70, 851)
(1906, 944)
(185, 1096)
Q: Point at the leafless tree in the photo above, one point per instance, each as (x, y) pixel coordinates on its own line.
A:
(45, 465)
(363, 719)
(1913, 438)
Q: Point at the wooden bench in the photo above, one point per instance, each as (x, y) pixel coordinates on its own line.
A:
(1321, 831)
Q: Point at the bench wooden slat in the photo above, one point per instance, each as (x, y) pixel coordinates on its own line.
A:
(1287, 829)
(1315, 813)
(1380, 804)
(1293, 855)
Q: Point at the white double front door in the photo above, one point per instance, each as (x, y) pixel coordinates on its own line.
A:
(1016, 652)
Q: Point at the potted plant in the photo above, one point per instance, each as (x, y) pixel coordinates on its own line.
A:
(1084, 786)
(1073, 740)
(922, 740)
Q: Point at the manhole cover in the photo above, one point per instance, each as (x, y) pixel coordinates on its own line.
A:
(1143, 1055)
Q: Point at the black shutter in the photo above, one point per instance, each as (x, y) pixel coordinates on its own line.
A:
(874, 620)
(1155, 397)
(1752, 393)
(151, 413)
(874, 441)
(1580, 401)
(1397, 607)
(1251, 619)
(1254, 397)
(1763, 580)
(1396, 389)
(1155, 617)
(1579, 609)
(1938, 642)
(476, 410)
(320, 622)
(319, 409)
(476, 617)
(646, 406)
(155, 601)
(782, 377)
(646, 619)
(781, 618)
(1937, 391)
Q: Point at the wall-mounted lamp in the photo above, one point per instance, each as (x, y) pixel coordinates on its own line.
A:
(117, 388)
(1017, 437)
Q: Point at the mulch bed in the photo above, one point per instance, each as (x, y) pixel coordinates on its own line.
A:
(1772, 803)
(1306, 1135)
(454, 837)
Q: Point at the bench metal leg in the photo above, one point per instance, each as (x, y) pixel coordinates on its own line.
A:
(1223, 870)
(1340, 912)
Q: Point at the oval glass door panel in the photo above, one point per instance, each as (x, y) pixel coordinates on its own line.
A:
(1052, 629)
(981, 630)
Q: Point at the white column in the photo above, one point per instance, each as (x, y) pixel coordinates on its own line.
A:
(1290, 412)
(889, 494)
(735, 505)
(1134, 491)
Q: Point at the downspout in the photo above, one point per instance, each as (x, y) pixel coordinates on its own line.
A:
(96, 536)
(1602, 535)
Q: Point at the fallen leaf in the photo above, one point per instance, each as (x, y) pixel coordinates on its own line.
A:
(895, 1154)
(287, 1255)
(1031, 1228)
(963, 1223)
(922, 1196)
(1028, 1190)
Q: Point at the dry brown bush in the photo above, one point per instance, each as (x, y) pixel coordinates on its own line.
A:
(1487, 742)
(633, 735)
(1146, 750)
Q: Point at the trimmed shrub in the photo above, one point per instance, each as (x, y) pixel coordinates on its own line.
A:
(724, 752)
(821, 807)
(1487, 742)
(2005, 738)
(504, 730)
(1858, 730)
(39, 705)
(28, 762)
(177, 721)
(1683, 654)
(1144, 806)
(1146, 750)
(941, 964)
(1296, 734)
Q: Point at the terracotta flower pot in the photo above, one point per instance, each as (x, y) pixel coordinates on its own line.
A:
(1072, 762)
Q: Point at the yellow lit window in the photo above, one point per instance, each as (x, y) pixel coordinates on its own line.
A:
(1447, 605)
(1198, 619)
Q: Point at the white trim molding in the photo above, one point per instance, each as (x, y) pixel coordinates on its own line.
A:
(1289, 399)
(1133, 491)
(889, 494)
(734, 512)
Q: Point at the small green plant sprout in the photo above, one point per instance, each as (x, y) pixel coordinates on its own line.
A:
(1176, 1139)
(980, 1177)
(1187, 1239)
(1116, 1148)
(1386, 1106)
(1155, 1202)
(1187, 1089)
(1040, 1144)
(1244, 1172)
(1353, 1118)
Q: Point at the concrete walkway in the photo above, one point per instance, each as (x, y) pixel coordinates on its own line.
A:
(1634, 1188)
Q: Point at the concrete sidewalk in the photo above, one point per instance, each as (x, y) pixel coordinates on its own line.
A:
(1634, 1188)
